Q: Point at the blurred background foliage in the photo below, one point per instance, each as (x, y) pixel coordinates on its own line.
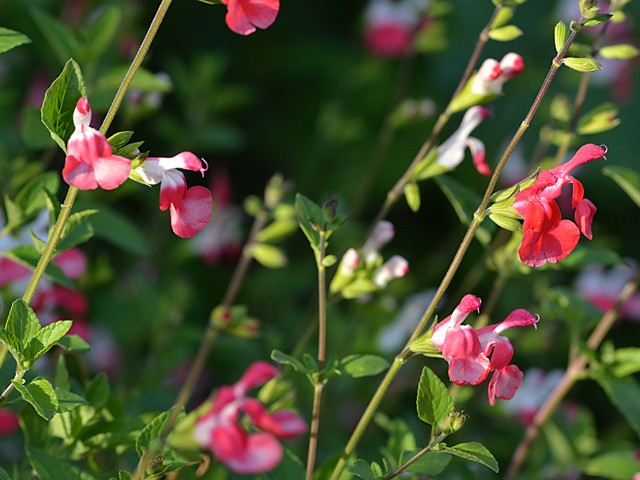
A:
(303, 98)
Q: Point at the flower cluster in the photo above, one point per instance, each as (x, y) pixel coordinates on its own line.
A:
(363, 273)
(547, 236)
(90, 163)
(220, 429)
(473, 354)
(390, 27)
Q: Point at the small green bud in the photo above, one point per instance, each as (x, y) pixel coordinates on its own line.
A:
(454, 421)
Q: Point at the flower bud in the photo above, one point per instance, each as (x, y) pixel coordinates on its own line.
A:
(454, 421)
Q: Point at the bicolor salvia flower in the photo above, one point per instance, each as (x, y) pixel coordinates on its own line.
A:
(190, 208)
(243, 16)
(390, 27)
(90, 162)
(222, 430)
(473, 354)
(395, 267)
(451, 151)
(382, 234)
(492, 75)
(547, 236)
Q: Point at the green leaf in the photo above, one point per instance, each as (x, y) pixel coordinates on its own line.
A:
(46, 338)
(624, 394)
(114, 227)
(284, 359)
(358, 288)
(59, 37)
(433, 401)
(61, 379)
(627, 179)
(150, 433)
(41, 395)
(585, 65)
(268, 255)
(97, 392)
(622, 51)
(560, 35)
(597, 19)
(362, 469)
(33, 196)
(51, 467)
(508, 223)
(412, 195)
(464, 202)
(367, 365)
(60, 101)
(473, 451)
(143, 81)
(10, 39)
(13, 344)
(617, 465)
(22, 322)
(428, 464)
(74, 343)
(624, 362)
(505, 34)
(28, 256)
(583, 256)
(4, 475)
(102, 31)
(67, 400)
(77, 230)
(277, 230)
(598, 120)
(310, 219)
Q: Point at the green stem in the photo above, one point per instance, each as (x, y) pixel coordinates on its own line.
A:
(322, 346)
(574, 371)
(455, 263)
(416, 457)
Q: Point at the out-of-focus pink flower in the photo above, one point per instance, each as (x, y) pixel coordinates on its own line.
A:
(8, 422)
(349, 263)
(382, 234)
(221, 430)
(222, 237)
(395, 267)
(534, 391)
(473, 354)
(492, 75)
(391, 26)
(243, 16)
(90, 163)
(451, 151)
(190, 208)
(602, 288)
(547, 237)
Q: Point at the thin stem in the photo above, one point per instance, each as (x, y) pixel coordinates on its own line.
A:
(455, 263)
(394, 194)
(416, 457)
(574, 370)
(205, 347)
(322, 346)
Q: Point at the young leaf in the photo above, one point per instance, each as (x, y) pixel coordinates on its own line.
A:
(362, 469)
(505, 34)
(13, 345)
(46, 338)
(22, 323)
(74, 343)
(268, 255)
(473, 451)
(622, 51)
(279, 229)
(97, 392)
(60, 101)
(412, 195)
(33, 196)
(284, 359)
(560, 35)
(627, 179)
(67, 400)
(310, 219)
(433, 401)
(10, 39)
(41, 395)
(586, 64)
(150, 433)
(357, 366)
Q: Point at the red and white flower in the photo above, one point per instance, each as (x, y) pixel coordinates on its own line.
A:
(190, 208)
(221, 429)
(548, 237)
(492, 75)
(90, 162)
(390, 27)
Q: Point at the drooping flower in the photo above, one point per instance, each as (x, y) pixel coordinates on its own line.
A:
(90, 163)
(221, 429)
(492, 75)
(243, 16)
(547, 236)
(473, 354)
(451, 151)
(395, 267)
(190, 208)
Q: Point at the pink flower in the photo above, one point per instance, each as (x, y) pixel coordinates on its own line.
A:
(547, 237)
(221, 429)
(89, 163)
(491, 75)
(389, 28)
(473, 354)
(382, 234)
(243, 16)
(8, 422)
(350, 261)
(395, 267)
(190, 208)
(602, 288)
(451, 151)
(534, 391)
